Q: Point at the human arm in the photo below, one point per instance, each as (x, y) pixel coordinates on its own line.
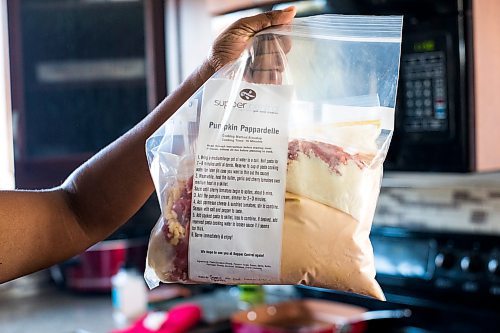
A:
(41, 228)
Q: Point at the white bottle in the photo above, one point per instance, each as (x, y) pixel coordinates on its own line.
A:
(129, 295)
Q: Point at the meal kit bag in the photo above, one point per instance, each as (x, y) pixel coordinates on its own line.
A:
(270, 173)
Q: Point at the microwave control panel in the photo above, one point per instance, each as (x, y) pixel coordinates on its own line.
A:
(424, 88)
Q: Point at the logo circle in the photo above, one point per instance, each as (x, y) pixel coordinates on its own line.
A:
(248, 94)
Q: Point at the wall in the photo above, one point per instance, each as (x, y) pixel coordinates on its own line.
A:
(6, 153)
(190, 31)
(471, 203)
(195, 35)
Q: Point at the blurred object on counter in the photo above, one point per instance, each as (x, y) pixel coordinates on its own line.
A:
(277, 293)
(250, 295)
(92, 270)
(25, 286)
(158, 298)
(217, 306)
(179, 319)
(314, 316)
(129, 293)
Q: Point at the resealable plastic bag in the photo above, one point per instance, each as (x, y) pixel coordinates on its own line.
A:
(270, 173)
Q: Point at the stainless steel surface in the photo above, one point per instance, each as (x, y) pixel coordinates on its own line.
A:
(29, 306)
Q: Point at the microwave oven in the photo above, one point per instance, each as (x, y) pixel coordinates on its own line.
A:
(448, 106)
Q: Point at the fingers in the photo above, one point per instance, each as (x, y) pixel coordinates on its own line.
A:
(232, 41)
(267, 77)
(266, 65)
(265, 68)
(253, 24)
(266, 62)
(273, 44)
(263, 76)
(269, 52)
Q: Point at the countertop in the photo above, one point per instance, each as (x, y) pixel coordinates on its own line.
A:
(25, 308)
(56, 311)
(32, 304)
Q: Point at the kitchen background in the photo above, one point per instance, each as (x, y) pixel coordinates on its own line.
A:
(82, 72)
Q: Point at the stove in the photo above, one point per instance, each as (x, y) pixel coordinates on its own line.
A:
(449, 269)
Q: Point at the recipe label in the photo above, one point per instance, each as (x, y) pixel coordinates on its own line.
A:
(239, 183)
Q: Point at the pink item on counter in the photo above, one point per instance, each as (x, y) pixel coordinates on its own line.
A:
(178, 320)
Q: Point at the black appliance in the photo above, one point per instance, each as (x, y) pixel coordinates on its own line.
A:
(446, 109)
(462, 270)
(436, 128)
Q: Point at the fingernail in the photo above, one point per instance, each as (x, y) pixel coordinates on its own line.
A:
(289, 9)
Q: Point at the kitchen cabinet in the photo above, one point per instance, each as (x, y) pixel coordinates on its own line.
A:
(83, 73)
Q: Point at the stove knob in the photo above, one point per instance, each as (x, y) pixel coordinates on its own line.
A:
(471, 264)
(444, 260)
(494, 266)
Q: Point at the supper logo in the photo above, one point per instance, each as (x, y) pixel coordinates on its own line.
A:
(248, 94)
(245, 94)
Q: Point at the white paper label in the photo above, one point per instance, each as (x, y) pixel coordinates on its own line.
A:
(239, 183)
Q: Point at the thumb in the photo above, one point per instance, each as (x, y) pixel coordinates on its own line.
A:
(254, 24)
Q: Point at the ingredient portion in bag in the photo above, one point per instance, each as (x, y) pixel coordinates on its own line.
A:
(326, 173)
(325, 247)
(176, 229)
(333, 258)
